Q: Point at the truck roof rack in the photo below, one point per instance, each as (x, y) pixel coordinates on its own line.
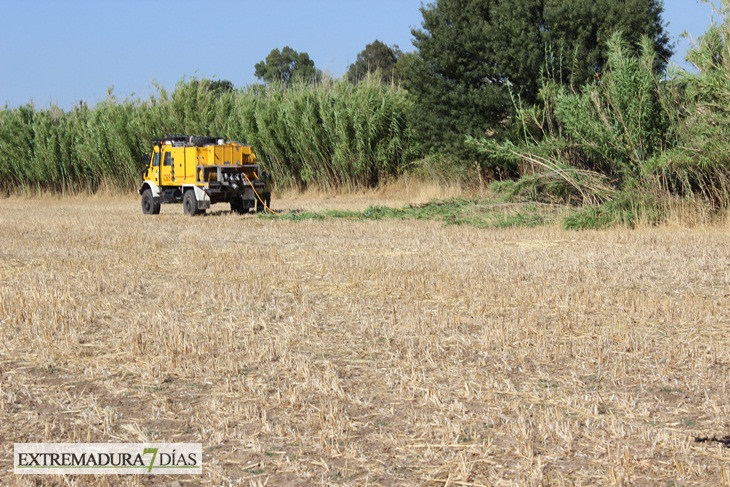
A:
(186, 140)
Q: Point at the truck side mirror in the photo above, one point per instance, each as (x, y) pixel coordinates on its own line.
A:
(145, 162)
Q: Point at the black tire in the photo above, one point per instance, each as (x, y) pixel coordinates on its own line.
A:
(199, 140)
(190, 204)
(149, 205)
(237, 205)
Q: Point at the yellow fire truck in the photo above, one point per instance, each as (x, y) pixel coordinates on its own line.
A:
(198, 172)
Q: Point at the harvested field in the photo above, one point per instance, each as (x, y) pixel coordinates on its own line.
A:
(365, 352)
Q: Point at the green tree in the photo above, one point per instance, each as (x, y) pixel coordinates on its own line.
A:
(220, 86)
(376, 56)
(457, 90)
(286, 66)
(579, 31)
(473, 55)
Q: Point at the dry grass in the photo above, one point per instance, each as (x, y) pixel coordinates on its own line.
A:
(365, 353)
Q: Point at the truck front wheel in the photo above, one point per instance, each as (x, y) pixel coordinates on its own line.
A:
(149, 205)
(190, 204)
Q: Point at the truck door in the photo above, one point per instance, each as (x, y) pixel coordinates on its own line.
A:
(166, 170)
(178, 170)
(154, 174)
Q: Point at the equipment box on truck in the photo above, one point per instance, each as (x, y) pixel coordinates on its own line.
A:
(201, 171)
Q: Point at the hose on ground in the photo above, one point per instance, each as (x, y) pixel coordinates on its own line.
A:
(258, 196)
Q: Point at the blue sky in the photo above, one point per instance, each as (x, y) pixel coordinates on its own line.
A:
(61, 52)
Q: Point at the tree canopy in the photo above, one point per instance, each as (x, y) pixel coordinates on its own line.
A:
(220, 86)
(579, 30)
(286, 66)
(473, 55)
(376, 56)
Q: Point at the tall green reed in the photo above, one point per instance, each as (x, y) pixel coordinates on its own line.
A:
(330, 134)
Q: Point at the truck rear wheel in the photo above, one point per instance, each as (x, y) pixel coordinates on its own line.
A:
(236, 205)
(149, 205)
(190, 204)
(240, 206)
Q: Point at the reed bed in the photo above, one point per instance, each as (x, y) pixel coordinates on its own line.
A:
(328, 135)
(365, 353)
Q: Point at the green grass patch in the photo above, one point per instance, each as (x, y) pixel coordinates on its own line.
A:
(628, 209)
(456, 211)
